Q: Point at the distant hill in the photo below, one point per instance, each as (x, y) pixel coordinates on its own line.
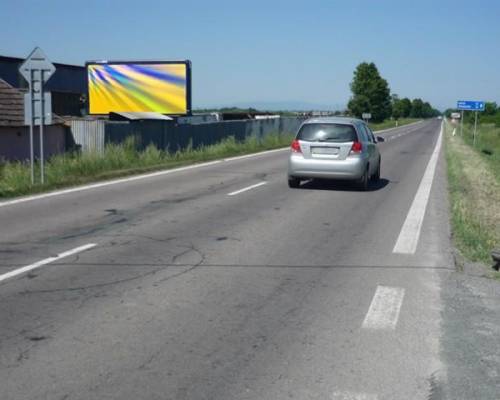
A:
(282, 106)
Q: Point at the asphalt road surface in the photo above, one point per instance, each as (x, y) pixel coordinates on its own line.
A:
(220, 282)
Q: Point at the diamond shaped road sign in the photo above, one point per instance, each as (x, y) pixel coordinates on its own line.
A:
(37, 61)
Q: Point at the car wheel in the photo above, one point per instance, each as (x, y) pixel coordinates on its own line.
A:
(293, 182)
(363, 182)
(376, 176)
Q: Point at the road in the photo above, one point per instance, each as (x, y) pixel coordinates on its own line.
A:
(193, 288)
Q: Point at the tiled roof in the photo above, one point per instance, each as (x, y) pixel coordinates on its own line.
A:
(11, 105)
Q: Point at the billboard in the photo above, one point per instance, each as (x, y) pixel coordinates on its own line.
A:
(139, 86)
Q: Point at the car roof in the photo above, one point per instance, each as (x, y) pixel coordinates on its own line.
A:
(333, 120)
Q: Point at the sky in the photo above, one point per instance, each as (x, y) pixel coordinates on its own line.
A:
(277, 52)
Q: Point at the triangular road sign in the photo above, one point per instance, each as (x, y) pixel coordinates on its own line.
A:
(37, 60)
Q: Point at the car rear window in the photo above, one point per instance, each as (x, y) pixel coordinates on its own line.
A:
(327, 133)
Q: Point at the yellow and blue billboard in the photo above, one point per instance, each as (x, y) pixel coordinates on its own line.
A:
(163, 87)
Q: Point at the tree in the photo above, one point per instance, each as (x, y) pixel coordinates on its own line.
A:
(405, 107)
(490, 108)
(427, 110)
(397, 107)
(370, 93)
(417, 108)
(359, 105)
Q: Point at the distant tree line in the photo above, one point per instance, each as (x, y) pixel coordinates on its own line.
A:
(371, 94)
(416, 108)
(239, 110)
(490, 115)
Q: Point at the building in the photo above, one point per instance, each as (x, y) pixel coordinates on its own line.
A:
(14, 135)
(68, 85)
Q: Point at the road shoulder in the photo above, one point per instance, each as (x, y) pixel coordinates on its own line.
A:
(471, 335)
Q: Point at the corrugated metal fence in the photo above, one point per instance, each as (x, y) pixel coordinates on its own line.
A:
(88, 135)
(93, 135)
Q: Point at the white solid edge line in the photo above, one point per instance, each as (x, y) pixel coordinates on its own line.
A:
(133, 178)
(255, 154)
(384, 308)
(247, 188)
(149, 175)
(410, 232)
(399, 127)
(46, 261)
(353, 396)
(102, 184)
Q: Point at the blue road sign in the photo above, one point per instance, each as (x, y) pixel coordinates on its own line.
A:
(470, 105)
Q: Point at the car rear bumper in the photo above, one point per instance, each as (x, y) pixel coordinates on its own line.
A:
(350, 168)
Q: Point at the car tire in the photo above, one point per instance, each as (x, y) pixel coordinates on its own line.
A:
(376, 176)
(363, 182)
(293, 182)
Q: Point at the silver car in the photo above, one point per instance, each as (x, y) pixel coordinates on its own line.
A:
(334, 148)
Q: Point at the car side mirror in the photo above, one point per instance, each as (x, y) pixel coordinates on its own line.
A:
(380, 139)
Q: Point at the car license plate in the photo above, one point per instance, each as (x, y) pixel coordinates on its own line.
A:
(331, 151)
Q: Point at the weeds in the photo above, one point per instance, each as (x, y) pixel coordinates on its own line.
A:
(117, 160)
(474, 194)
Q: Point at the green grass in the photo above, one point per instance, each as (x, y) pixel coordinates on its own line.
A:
(391, 123)
(474, 194)
(487, 144)
(122, 160)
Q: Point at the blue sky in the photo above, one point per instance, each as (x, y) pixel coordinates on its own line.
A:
(277, 51)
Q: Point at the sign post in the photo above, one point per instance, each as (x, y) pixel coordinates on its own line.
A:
(366, 116)
(470, 105)
(37, 70)
(475, 128)
(462, 123)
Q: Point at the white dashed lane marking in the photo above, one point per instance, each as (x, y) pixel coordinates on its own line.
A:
(135, 178)
(384, 308)
(46, 261)
(247, 188)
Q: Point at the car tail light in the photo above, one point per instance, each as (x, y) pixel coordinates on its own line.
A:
(356, 148)
(296, 146)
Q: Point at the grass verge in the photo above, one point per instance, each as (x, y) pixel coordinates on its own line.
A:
(122, 160)
(387, 124)
(474, 187)
(487, 144)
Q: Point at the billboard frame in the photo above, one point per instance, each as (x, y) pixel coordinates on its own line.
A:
(187, 63)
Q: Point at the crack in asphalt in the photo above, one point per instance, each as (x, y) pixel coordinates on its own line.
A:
(191, 267)
(191, 248)
(140, 236)
(435, 387)
(277, 266)
(93, 286)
